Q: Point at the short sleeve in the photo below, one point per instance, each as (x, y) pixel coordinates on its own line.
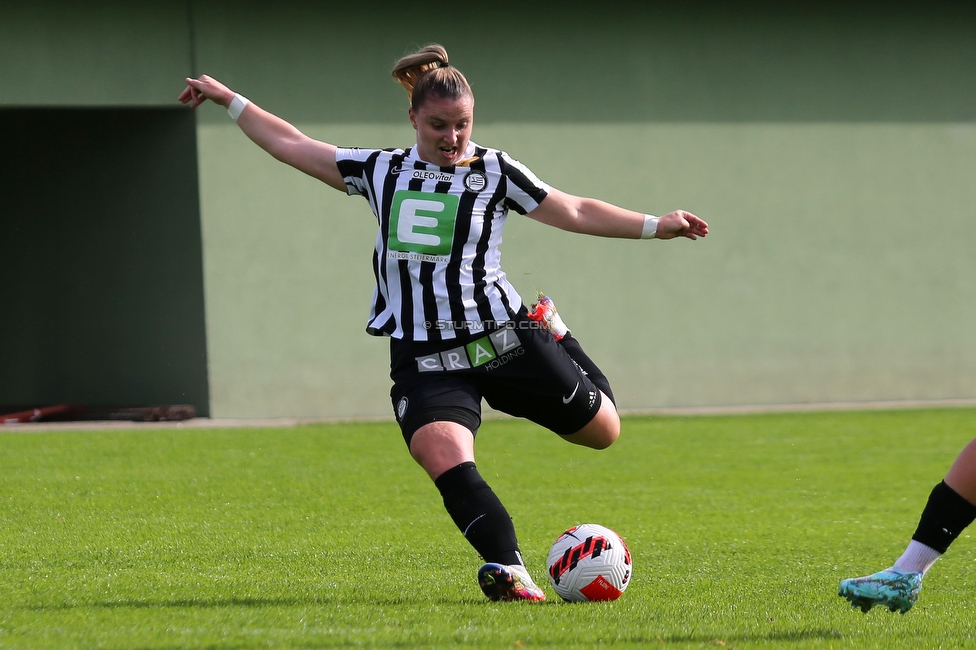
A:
(352, 163)
(525, 191)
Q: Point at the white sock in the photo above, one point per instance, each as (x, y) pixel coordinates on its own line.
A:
(917, 558)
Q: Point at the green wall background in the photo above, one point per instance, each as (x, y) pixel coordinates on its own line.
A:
(831, 149)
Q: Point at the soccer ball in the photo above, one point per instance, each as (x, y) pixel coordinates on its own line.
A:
(589, 562)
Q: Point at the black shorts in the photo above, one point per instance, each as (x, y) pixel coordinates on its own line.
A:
(516, 367)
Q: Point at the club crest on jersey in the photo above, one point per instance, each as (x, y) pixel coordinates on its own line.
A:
(475, 180)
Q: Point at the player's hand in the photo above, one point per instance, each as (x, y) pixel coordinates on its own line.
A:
(680, 224)
(199, 90)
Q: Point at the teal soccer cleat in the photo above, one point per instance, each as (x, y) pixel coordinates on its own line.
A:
(893, 589)
(502, 582)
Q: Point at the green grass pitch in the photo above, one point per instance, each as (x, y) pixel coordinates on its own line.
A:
(329, 536)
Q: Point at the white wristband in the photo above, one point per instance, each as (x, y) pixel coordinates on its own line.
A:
(237, 105)
(650, 227)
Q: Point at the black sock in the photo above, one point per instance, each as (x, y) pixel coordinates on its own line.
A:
(575, 350)
(478, 514)
(945, 516)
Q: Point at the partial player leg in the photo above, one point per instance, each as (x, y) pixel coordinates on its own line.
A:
(544, 312)
(446, 451)
(590, 369)
(962, 475)
(604, 429)
(440, 446)
(948, 511)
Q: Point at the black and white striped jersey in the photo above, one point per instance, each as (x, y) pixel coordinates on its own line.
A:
(437, 260)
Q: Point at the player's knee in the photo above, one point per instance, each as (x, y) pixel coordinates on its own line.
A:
(439, 446)
(601, 442)
(608, 432)
(603, 430)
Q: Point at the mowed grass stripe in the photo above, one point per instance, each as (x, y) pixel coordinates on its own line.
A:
(330, 535)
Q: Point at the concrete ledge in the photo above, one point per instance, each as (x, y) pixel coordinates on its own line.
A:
(229, 423)
(799, 408)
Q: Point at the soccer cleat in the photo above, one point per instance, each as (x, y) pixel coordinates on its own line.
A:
(502, 582)
(893, 589)
(543, 311)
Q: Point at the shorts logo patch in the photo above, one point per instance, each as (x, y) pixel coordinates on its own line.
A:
(494, 350)
(402, 408)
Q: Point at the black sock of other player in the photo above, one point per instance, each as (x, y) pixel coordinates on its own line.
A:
(479, 514)
(575, 350)
(945, 516)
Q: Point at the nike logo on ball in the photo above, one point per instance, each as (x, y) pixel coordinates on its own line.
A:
(567, 400)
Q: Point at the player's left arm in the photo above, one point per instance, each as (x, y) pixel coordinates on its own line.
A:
(595, 217)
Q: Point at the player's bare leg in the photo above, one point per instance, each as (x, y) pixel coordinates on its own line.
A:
(439, 446)
(961, 477)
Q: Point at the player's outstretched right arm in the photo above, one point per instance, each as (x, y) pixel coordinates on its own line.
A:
(594, 217)
(271, 133)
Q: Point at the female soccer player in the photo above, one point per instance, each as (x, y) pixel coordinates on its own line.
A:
(949, 510)
(459, 330)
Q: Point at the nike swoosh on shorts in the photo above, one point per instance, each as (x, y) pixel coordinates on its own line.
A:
(567, 400)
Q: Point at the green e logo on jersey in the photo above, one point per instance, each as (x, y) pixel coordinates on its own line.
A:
(422, 225)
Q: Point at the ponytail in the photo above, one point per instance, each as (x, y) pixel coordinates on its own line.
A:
(428, 73)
